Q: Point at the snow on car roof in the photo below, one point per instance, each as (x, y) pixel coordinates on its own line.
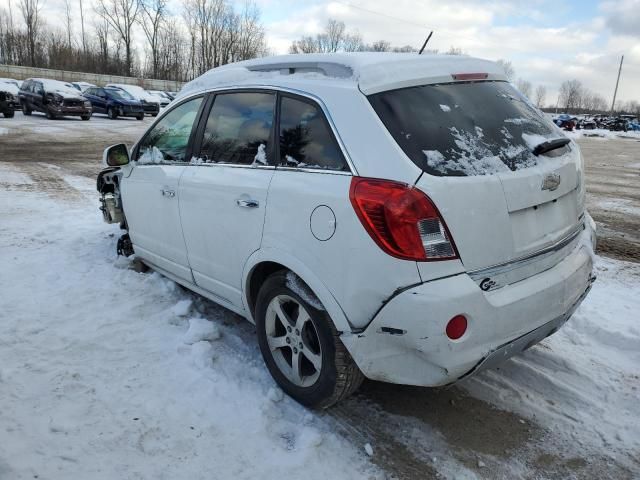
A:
(8, 87)
(56, 85)
(370, 72)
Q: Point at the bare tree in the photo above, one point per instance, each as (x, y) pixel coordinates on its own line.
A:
(68, 20)
(454, 51)
(152, 18)
(524, 86)
(121, 15)
(539, 96)
(333, 38)
(507, 66)
(30, 10)
(571, 92)
(379, 46)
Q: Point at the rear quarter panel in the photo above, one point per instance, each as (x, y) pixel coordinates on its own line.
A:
(358, 274)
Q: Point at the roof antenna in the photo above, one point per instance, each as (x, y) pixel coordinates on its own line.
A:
(425, 43)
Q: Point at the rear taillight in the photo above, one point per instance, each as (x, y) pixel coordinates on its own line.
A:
(401, 220)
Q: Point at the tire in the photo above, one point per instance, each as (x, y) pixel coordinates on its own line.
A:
(50, 115)
(154, 114)
(85, 117)
(26, 110)
(111, 113)
(140, 117)
(9, 114)
(338, 376)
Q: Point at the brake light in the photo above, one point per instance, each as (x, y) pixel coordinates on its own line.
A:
(469, 76)
(401, 220)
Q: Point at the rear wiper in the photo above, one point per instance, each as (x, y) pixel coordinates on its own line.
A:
(549, 145)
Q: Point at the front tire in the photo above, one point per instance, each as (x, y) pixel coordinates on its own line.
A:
(111, 113)
(300, 344)
(26, 110)
(140, 117)
(50, 115)
(85, 117)
(8, 114)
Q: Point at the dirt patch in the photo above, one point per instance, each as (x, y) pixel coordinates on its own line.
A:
(613, 194)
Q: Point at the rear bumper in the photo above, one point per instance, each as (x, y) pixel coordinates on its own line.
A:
(406, 341)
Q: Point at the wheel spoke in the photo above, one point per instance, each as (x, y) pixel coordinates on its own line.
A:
(284, 318)
(314, 358)
(295, 367)
(302, 318)
(277, 342)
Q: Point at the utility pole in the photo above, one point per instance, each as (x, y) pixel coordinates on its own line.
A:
(615, 92)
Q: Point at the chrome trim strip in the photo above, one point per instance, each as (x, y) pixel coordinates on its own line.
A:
(519, 262)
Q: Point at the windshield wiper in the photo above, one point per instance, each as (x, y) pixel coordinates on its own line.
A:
(549, 145)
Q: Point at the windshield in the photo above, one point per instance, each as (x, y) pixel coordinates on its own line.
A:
(464, 129)
(119, 94)
(59, 87)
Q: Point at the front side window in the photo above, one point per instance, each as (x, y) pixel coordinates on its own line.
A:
(306, 141)
(169, 138)
(238, 129)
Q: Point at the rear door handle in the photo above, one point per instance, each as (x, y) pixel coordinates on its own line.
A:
(168, 193)
(247, 203)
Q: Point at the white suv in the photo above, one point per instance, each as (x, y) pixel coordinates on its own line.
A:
(411, 219)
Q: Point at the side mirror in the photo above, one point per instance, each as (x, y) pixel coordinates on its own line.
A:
(116, 155)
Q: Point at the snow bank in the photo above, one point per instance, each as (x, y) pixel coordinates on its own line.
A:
(97, 381)
(582, 382)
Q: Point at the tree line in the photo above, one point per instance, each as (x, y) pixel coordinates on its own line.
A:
(204, 34)
(179, 45)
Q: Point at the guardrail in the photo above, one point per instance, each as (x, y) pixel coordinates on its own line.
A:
(21, 73)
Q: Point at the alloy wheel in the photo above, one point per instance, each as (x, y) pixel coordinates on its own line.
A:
(293, 340)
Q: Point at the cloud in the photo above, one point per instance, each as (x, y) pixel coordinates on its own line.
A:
(622, 16)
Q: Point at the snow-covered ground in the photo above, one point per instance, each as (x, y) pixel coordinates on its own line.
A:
(601, 133)
(106, 373)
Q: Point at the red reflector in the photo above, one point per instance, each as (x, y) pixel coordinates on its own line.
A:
(401, 220)
(469, 76)
(456, 327)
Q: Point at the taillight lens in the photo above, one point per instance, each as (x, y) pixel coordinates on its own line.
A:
(401, 220)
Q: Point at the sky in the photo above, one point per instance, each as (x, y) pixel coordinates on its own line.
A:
(546, 41)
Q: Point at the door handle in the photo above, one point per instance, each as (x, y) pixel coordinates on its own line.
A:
(247, 203)
(168, 193)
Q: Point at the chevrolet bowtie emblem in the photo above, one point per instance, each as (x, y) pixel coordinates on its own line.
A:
(551, 181)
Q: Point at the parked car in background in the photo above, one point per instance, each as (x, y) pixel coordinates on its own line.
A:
(162, 97)
(17, 83)
(365, 225)
(618, 124)
(114, 102)
(82, 86)
(53, 98)
(586, 124)
(8, 99)
(150, 104)
(566, 122)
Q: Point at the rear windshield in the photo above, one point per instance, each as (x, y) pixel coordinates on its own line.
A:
(464, 129)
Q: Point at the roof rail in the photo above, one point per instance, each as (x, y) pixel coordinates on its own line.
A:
(329, 69)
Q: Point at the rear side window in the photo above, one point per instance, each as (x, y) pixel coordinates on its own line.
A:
(306, 141)
(168, 139)
(238, 129)
(464, 129)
